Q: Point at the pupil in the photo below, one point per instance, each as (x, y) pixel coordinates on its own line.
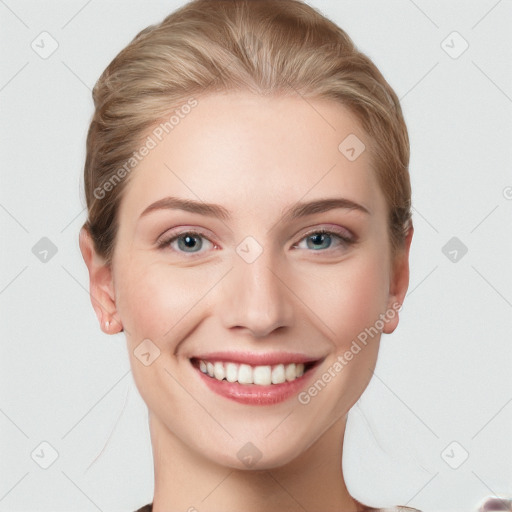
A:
(189, 242)
(319, 238)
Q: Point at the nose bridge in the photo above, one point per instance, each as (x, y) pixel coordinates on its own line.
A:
(256, 297)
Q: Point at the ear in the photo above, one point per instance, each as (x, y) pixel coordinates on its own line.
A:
(398, 284)
(101, 286)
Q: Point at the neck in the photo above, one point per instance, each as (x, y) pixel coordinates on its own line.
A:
(186, 481)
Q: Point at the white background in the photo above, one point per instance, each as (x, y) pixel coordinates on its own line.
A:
(444, 376)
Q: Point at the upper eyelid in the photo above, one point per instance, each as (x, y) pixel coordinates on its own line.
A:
(166, 238)
(330, 230)
(199, 231)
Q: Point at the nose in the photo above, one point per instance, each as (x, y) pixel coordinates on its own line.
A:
(256, 297)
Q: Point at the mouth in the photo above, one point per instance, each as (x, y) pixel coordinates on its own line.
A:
(255, 379)
(259, 375)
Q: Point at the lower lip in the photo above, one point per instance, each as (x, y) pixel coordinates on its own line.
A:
(253, 394)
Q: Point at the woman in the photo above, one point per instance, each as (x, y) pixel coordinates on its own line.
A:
(249, 226)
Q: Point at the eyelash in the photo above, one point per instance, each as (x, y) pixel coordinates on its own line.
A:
(344, 241)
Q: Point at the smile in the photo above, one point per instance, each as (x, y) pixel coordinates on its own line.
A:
(255, 379)
(247, 374)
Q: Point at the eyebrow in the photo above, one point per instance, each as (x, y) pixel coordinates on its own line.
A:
(299, 210)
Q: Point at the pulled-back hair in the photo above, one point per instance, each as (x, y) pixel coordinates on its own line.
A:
(266, 47)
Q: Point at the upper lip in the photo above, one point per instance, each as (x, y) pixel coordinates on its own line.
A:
(257, 359)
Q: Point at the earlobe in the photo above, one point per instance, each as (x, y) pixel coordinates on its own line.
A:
(398, 285)
(101, 288)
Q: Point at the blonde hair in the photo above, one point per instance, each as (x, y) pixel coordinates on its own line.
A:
(263, 46)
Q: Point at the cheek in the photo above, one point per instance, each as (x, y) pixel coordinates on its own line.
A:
(159, 303)
(350, 297)
(156, 301)
(350, 302)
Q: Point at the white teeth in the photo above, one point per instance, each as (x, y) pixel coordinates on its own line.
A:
(261, 375)
(278, 375)
(290, 373)
(218, 371)
(231, 372)
(246, 374)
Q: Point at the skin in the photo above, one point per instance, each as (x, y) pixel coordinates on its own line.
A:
(255, 156)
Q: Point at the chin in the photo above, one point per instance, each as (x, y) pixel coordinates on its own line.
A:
(246, 452)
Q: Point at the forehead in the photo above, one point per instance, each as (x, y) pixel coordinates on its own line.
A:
(251, 153)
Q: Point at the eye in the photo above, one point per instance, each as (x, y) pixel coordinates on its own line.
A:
(321, 239)
(191, 242)
(188, 242)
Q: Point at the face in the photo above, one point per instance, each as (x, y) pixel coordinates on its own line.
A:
(248, 277)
